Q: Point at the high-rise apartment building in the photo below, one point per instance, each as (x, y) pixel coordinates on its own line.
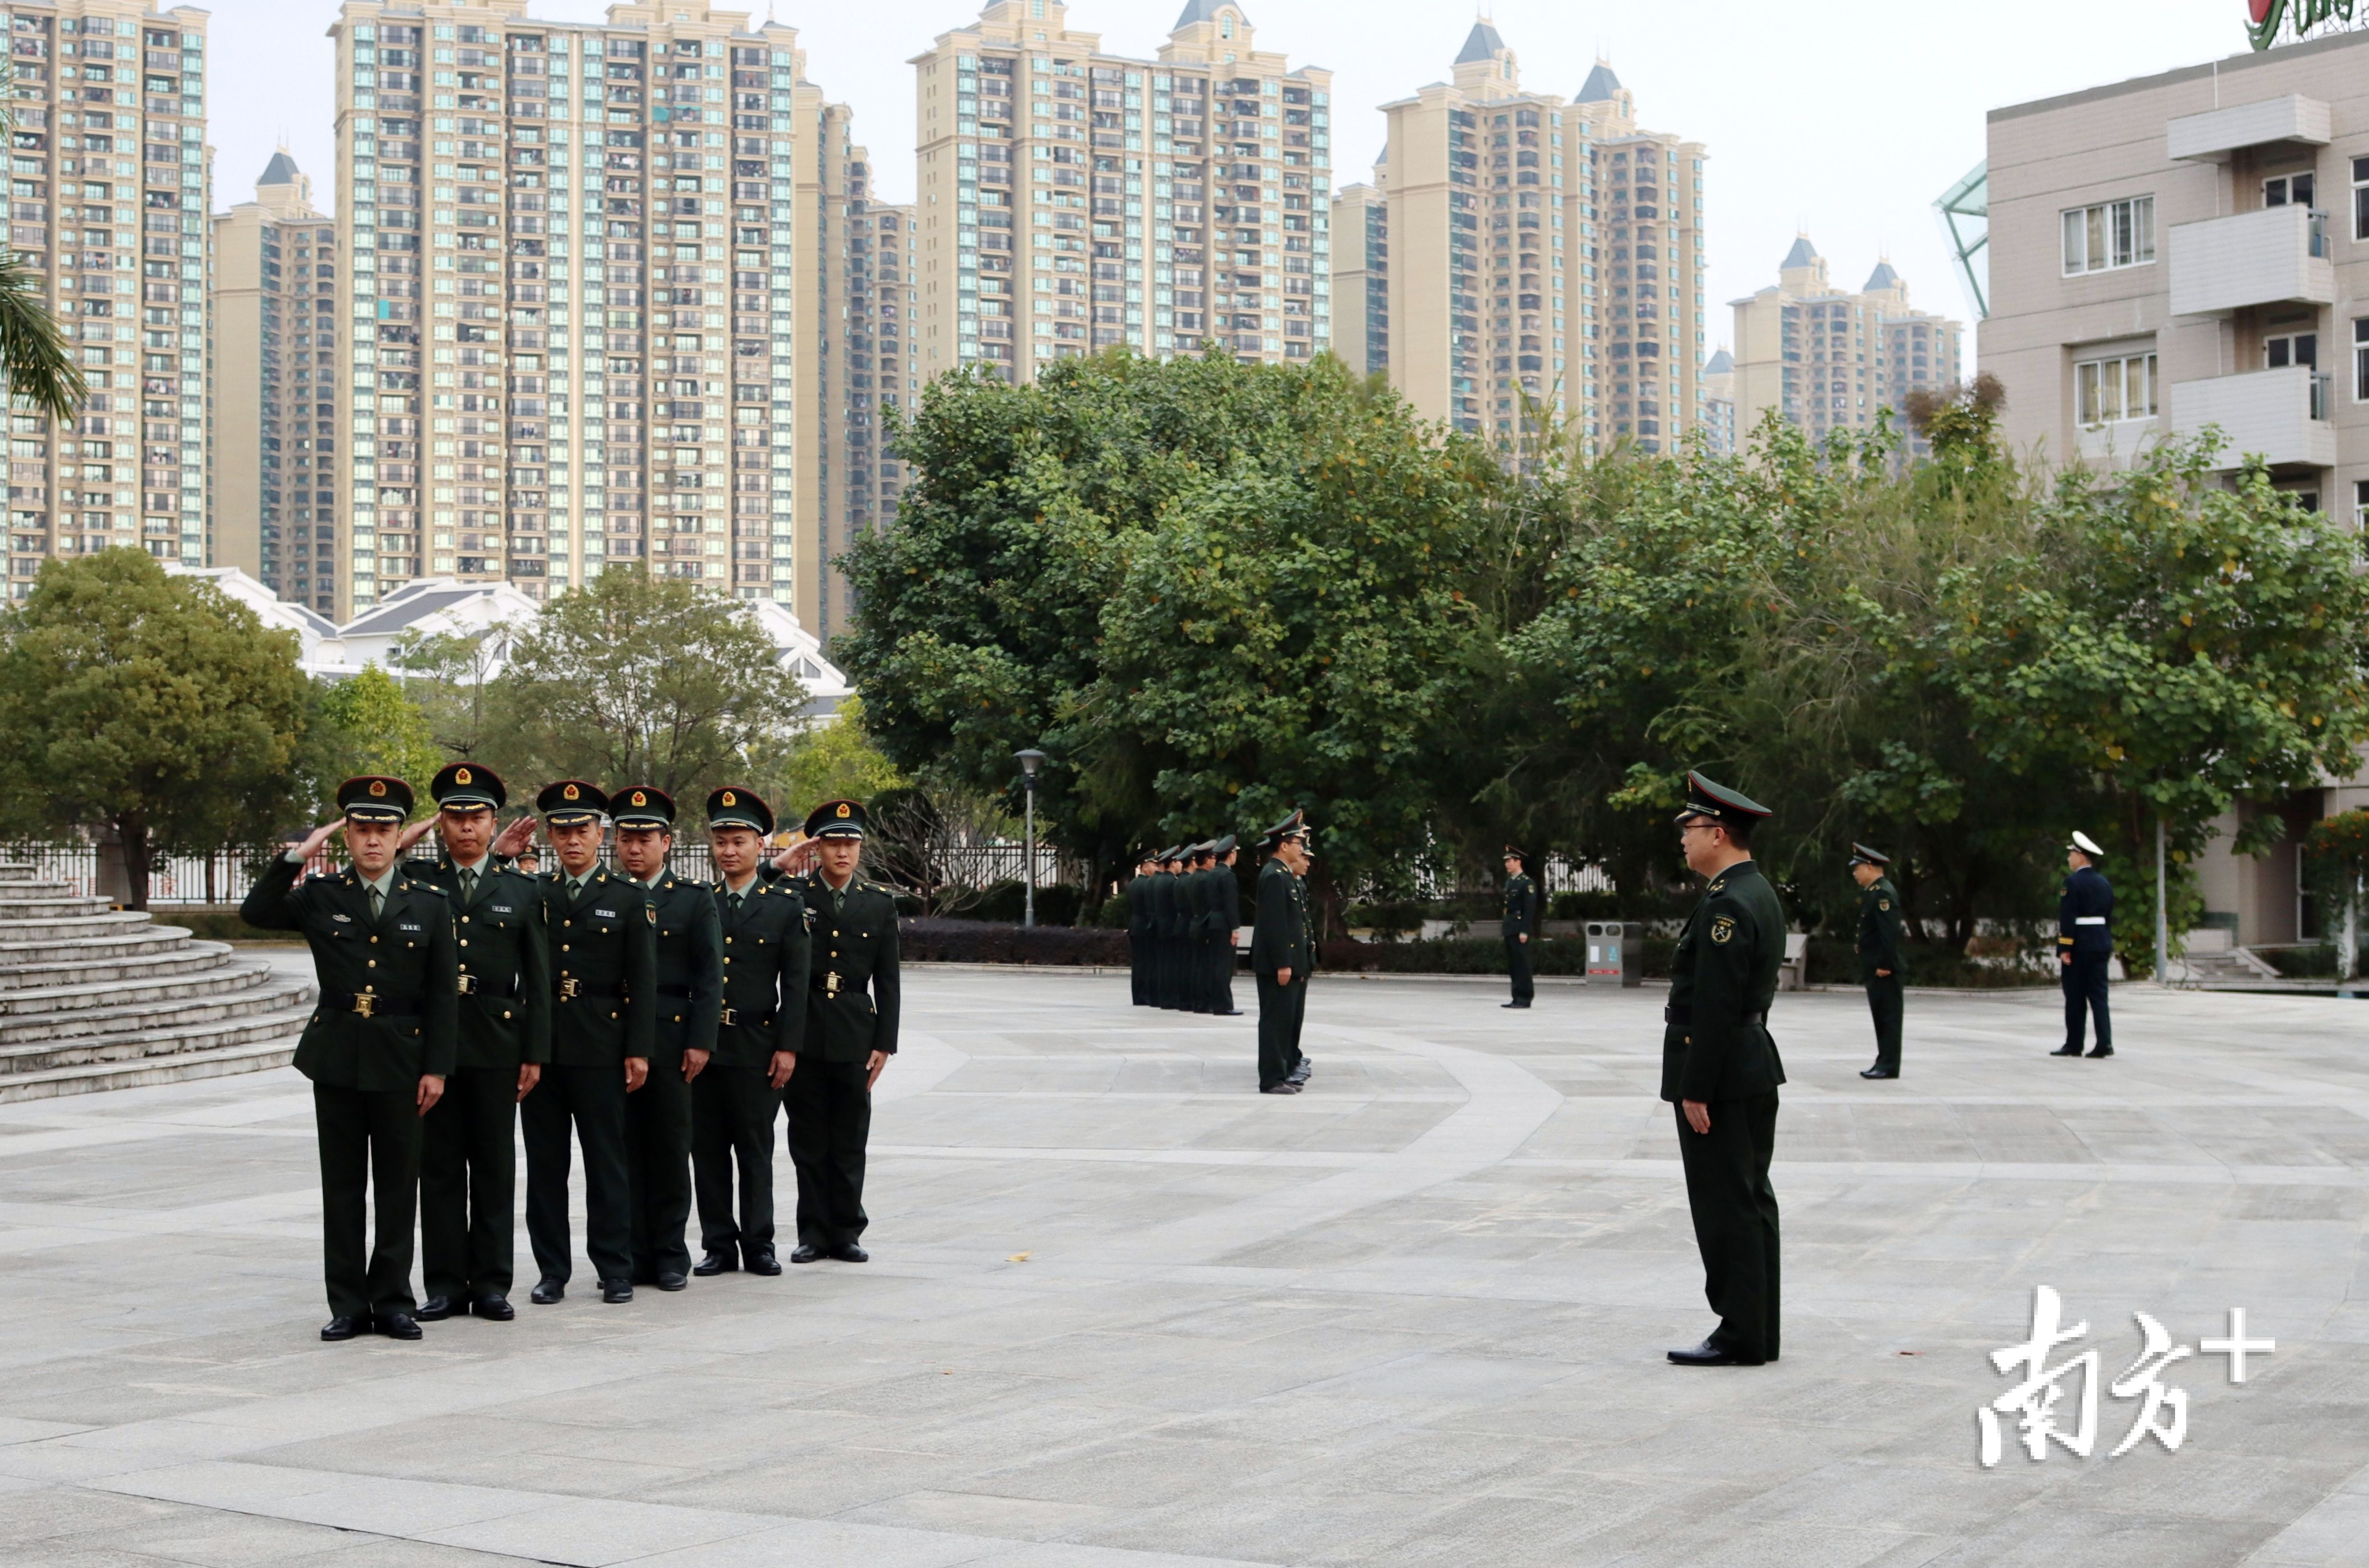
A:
(573, 291)
(277, 337)
(109, 188)
(1361, 272)
(1545, 257)
(1719, 402)
(1829, 360)
(1072, 200)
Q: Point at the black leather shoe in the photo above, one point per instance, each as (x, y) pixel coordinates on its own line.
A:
(343, 1328)
(2101, 1052)
(547, 1291)
(493, 1309)
(765, 1263)
(397, 1325)
(1877, 1072)
(717, 1262)
(806, 1251)
(670, 1280)
(616, 1292)
(1709, 1355)
(1286, 1087)
(1232, 1013)
(2065, 1051)
(436, 1309)
(848, 1252)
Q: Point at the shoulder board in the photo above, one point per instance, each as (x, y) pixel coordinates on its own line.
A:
(313, 876)
(425, 887)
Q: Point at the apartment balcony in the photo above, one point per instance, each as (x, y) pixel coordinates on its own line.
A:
(2275, 256)
(2212, 136)
(2279, 416)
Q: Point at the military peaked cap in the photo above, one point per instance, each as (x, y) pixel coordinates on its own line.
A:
(1863, 855)
(465, 787)
(1292, 827)
(571, 802)
(2086, 844)
(1719, 803)
(375, 798)
(1223, 847)
(733, 806)
(837, 819)
(642, 805)
(1516, 852)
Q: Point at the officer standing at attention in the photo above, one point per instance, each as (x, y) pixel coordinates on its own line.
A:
(690, 1001)
(1168, 907)
(1199, 914)
(2085, 946)
(1720, 1067)
(603, 938)
(1281, 952)
(1225, 919)
(1879, 969)
(468, 1156)
(378, 1048)
(852, 1002)
(1519, 926)
(1138, 932)
(733, 1103)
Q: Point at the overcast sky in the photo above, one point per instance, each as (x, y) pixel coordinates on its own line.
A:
(1844, 119)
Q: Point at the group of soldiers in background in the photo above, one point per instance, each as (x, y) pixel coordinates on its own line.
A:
(664, 1022)
(1182, 909)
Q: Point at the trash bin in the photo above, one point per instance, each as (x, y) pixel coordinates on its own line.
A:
(1613, 952)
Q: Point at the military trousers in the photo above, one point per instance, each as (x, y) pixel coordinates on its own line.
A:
(2085, 997)
(1200, 994)
(829, 1105)
(1518, 965)
(1221, 973)
(732, 1115)
(1163, 983)
(1734, 1210)
(1883, 1003)
(468, 1185)
(591, 1101)
(1281, 1010)
(1138, 968)
(657, 1171)
(370, 1146)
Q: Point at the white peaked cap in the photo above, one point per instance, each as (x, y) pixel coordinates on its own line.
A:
(2087, 845)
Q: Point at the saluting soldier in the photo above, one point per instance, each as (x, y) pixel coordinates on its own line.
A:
(603, 935)
(1519, 924)
(852, 1002)
(1225, 919)
(1199, 911)
(735, 1102)
(690, 1001)
(1280, 955)
(1879, 969)
(1720, 1068)
(2084, 946)
(1138, 932)
(468, 1156)
(378, 1048)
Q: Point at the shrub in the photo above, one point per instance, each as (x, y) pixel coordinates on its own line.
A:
(981, 942)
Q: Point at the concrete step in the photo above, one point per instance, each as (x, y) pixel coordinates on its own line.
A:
(17, 906)
(133, 968)
(145, 1071)
(248, 991)
(175, 1039)
(116, 943)
(75, 928)
(161, 991)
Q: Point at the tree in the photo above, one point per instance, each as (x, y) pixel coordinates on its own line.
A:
(831, 761)
(640, 680)
(151, 705)
(379, 729)
(35, 363)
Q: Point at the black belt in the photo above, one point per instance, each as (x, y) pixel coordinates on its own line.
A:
(370, 1004)
(1686, 1015)
(472, 985)
(571, 987)
(731, 1018)
(686, 994)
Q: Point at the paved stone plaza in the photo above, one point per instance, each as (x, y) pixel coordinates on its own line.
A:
(1122, 1311)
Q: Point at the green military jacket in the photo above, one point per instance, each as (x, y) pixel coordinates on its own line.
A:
(1279, 937)
(505, 967)
(1225, 903)
(1715, 1040)
(1521, 917)
(1879, 930)
(388, 1009)
(691, 969)
(604, 959)
(1199, 909)
(767, 955)
(1167, 918)
(853, 998)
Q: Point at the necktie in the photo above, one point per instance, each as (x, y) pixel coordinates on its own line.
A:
(378, 903)
(468, 885)
(736, 903)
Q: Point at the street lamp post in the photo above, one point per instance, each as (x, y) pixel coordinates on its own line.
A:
(1030, 761)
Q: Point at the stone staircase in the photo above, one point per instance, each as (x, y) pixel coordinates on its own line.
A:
(2223, 967)
(98, 998)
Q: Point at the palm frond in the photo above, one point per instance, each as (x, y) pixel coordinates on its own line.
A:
(35, 363)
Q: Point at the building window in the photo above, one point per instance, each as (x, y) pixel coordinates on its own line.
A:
(2361, 503)
(2291, 348)
(2287, 189)
(2361, 199)
(2105, 391)
(2113, 233)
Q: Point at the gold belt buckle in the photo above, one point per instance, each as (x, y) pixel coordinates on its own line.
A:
(830, 983)
(363, 1003)
(567, 989)
(726, 1018)
(468, 983)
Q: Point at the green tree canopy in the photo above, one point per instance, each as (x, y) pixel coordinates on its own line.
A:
(377, 729)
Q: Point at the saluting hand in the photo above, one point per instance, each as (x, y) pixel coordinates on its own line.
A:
(516, 839)
(799, 858)
(784, 1064)
(432, 1089)
(312, 841)
(414, 833)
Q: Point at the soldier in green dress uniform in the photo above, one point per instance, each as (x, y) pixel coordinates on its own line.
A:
(1879, 969)
(602, 932)
(1281, 952)
(378, 1048)
(1199, 912)
(1138, 932)
(735, 1102)
(1167, 932)
(1720, 1070)
(852, 1002)
(468, 1157)
(1225, 919)
(1519, 924)
(689, 1001)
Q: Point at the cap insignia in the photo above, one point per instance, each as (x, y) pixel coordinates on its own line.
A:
(461, 775)
(730, 799)
(640, 799)
(378, 787)
(842, 808)
(567, 794)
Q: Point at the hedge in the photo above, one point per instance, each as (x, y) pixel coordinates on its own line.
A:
(980, 941)
(1477, 956)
